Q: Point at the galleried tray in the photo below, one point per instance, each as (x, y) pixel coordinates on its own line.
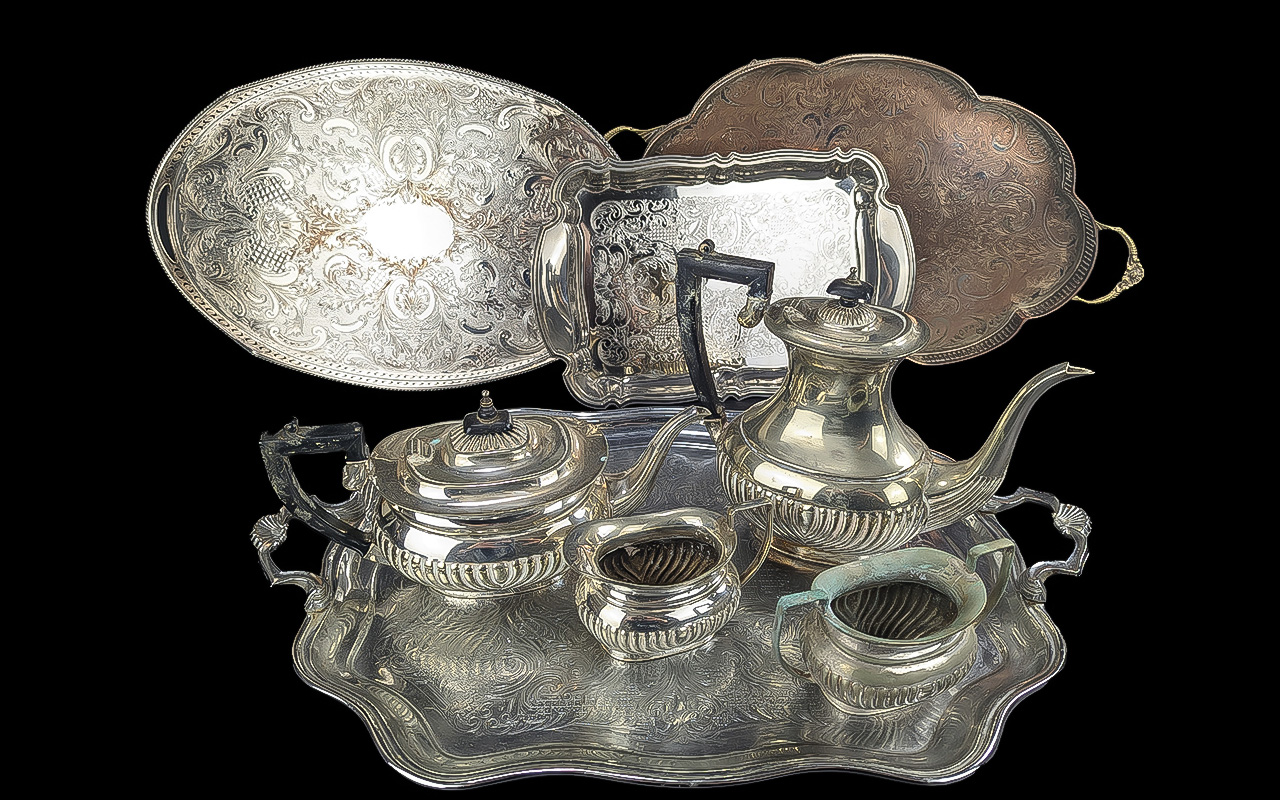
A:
(463, 693)
(372, 222)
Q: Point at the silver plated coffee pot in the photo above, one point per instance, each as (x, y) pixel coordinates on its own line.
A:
(846, 475)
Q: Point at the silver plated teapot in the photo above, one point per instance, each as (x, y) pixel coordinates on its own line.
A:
(472, 508)
(846, 475)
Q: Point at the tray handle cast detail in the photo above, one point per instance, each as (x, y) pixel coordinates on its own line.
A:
(269, 533)
(1071, 521)
(1133, 271)
(348, 522)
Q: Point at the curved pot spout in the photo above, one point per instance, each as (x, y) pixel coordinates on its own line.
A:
(629, 488)
(957, 490)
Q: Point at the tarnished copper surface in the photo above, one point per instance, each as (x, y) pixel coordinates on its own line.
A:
(987, 186)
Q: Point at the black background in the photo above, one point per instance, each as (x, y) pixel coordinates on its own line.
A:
(221, 705)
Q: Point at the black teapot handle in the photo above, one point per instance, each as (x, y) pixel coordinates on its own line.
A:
(332, 520)
(693, 266)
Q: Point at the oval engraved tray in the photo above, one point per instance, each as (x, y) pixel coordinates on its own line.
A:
(988, 187)
(371, 222)
(607, 264)
(463, 693)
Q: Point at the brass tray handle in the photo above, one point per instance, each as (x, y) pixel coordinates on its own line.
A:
(1071, 521)
(645, 133)
(1133, 271)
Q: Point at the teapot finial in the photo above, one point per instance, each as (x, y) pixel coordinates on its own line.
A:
(487, 418)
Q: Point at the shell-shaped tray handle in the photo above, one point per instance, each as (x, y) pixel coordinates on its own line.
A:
(269, 533)
(1133, 271)
(1071, 521)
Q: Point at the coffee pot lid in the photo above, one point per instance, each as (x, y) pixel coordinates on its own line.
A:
(846, 324)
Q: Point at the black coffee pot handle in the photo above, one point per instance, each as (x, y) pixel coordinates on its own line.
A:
(693, 266)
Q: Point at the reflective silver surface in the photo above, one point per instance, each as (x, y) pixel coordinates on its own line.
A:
(471, 508)
(230, 683)
(845, 475)
(372, 222)
(654, 585)
(606, 289)
(892, 629)
(460, 693)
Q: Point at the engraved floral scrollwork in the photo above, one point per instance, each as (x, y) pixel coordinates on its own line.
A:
(633, 245)
(373, 222)
(459, 691)
(987, 188)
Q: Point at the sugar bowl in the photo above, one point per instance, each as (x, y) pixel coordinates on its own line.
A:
(892, 629)
(654, 585)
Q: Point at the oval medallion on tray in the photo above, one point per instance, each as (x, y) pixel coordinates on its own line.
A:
(988, 188)
(371, 222)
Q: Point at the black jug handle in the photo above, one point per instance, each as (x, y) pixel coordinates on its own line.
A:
(693, 266)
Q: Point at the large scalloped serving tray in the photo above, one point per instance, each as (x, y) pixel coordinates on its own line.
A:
(988, 187)
(462, 693)
(372, 222)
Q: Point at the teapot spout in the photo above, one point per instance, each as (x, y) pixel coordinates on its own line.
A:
(956, 490)
(629, 488)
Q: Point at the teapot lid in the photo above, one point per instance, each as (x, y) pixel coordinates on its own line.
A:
(847, 324)
(491, 463)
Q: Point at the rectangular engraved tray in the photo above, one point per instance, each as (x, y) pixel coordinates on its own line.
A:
(463, 693)
(606, 267)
